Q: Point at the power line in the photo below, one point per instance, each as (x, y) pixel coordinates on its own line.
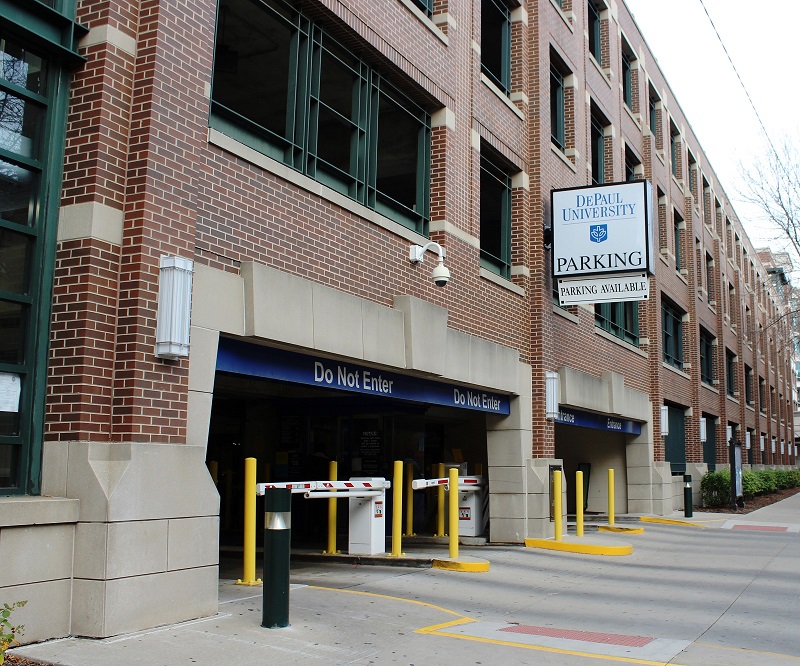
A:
(741, 82)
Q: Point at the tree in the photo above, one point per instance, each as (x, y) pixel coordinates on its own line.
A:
(771, 185)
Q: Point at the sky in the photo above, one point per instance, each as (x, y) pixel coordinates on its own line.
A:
(761, 39)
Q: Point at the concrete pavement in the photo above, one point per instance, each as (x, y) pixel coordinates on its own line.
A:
(687, 595)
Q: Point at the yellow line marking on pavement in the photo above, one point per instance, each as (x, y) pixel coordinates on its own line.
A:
(736, 649)
(620, 530)
(435, 630)
(387, 596)
(669, 521)
(541, 648)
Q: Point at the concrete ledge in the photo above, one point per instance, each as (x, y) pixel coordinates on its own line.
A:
(668, 521)
(22, 511)
(579, 545)
(473, 565)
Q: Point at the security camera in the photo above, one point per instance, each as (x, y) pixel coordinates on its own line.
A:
(440, 275)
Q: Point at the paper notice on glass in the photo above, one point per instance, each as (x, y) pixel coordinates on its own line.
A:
(9, 392)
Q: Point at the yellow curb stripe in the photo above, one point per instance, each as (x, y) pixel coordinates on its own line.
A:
(736, 649)
(620, 530)
(541, 648)
(455, 565)
(444, 625)
(388, 596)
(584, 548)
(669, 521)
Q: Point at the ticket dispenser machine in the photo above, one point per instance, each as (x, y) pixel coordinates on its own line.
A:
(367, 521)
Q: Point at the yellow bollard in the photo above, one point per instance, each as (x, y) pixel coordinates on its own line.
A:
(213, 469)
(453, 499)
(409, 500)
(611, 496)
(249, 576)
(579, 504)
(557, 504)
(333, 470)
(397, 509)
(440, 502)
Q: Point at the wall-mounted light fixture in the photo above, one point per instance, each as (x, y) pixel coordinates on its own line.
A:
(747, 439)
(664, 420)
(728, 433)
(552, 388)
(703, 429)
(773, 445)
(782, 446)
(174, 307)
(440, 274)
(761, 442)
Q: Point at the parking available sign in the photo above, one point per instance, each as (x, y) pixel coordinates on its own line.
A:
(603, 242)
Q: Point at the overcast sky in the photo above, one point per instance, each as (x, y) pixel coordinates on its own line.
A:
(762, 40)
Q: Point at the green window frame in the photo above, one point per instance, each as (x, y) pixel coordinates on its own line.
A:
(652, 112)
(677, 221)
(598, 150)
(595, 33)
(495, 214)
(426, 6)
(672, 334)
(557, 110)
(631, 164)
(706, 358)
(674, 144)
(730, 373)
(627, 79)
(312, 104)
(748, 384)
(496, 43)
(38, 48)
(620, 319)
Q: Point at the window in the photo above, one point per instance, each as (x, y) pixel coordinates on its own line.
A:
(496, 43)
(426, 6)
(620, 319)
(627, 74)
(672, 334)
(748, 384)
(762, 395)
(677, 224)
(712, 292)
(633, 165)
(692, 176)
(282, 85)
(595, 33)
(706, 357)
(495, 231)
(730, 373)
(557, 106)
(675, 150)
(653, 100)
(597, 148)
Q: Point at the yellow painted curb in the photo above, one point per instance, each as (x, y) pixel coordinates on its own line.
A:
(669, 521)
(585, 548)
(620, 530)
(478, 566)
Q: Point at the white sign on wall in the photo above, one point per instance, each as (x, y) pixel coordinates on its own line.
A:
(604, 289)
(603, 229)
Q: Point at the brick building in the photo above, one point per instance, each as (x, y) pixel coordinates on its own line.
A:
(291, 154)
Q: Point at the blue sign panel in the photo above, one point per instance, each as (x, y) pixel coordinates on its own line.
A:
(257, 361)
(598, 421)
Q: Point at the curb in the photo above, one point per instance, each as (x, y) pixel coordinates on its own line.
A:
(474, 566)
(669, 521)
(617, 529)
(584, 548)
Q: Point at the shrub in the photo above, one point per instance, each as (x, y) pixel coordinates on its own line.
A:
(9, 632)
(715, 487)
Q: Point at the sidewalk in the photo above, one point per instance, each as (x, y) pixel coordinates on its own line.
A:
(780, 516)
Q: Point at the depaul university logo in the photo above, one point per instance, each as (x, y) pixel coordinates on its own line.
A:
(598, 233)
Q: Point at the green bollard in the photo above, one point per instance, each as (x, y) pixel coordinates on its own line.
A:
(277, 549)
